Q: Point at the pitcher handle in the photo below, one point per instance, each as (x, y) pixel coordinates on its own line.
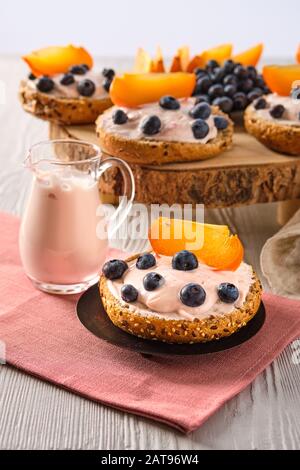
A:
(129, 190)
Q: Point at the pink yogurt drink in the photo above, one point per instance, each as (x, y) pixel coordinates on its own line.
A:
(58, 239)
(63, 236)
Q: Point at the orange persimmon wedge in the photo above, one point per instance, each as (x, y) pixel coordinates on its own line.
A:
(143, 62)
(280, 78)
(219, 53)
(57, 59)
(184, 54)
(175, 64)
(136, 89)
(212, 244)
(251, 56)
(298, 55)
(197, 61)
(157, 65)
(181, 60)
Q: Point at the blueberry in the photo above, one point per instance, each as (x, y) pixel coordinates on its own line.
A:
(260, 104)
(201, 99)
(218, 74)
(228, 293)
(200, 111)
(200, 72)
(78, 69)
(152, 281)
(220, 122)
(224, 103)
(106, 84)
(215, 91)
(184, 261)
(254, 94)
(228, 66)
(192, 295)
(211, 65)
(108, 73)
(239, 101)
(119, 117)
(259, 81)
(246, 85)
(277, 111)
(146, 261)
(240, 71)
(45, 84)
(151, 125)
(169, 102)
(86, 87)
(202, 85)
(67, 79)
(114, 269)
(200, 129)
(230, 80)
(230, 90)
(252, 73)
(31, 76)
(266, 90)
(86, 67)
(129, 293)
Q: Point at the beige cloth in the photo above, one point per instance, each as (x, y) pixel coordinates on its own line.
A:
(280, 259)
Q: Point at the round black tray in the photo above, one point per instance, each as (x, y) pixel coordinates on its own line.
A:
(92, 315)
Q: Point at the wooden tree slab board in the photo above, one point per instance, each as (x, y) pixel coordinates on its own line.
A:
(249, 173)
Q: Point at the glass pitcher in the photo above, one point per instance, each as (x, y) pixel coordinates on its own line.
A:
(59, 241)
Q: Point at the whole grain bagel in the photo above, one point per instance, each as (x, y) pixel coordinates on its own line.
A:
(153, 327)
(65, 111)
(158, 152)
(274, 135)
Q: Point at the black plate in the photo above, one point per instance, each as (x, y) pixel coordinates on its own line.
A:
(92, 315)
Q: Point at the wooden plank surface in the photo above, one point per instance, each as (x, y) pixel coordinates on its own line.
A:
(37, 415)
(249, 173)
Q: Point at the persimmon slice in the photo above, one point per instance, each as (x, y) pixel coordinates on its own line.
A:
(212, 244)
(250, 56)
(57, 59)
(143, 62)
(136, 89)
(181, 60)
(157, 65)
(184, 54)
(280, 78)
(197, 61)
(176, 64)
(298, 55)
(219, 53)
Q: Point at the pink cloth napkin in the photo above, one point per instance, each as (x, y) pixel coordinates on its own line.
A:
(44, 337)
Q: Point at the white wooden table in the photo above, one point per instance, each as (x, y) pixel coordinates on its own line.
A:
(37, 415)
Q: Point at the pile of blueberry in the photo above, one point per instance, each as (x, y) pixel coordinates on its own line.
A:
(85, 87)
(231, 86)
(192, 294)
(200, 112)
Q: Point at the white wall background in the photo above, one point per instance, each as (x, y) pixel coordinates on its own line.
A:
(117, 27)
